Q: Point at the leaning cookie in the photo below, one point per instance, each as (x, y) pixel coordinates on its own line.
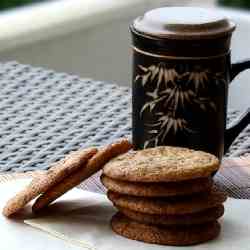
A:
(46, 180)
(176, 236)
(93, 165)
(158, 189)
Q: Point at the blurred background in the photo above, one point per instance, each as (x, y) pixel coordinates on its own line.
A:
(90, 38)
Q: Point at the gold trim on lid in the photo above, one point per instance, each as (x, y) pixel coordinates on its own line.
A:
(179, 57)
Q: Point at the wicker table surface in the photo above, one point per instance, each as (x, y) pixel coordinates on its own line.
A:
(44, 115)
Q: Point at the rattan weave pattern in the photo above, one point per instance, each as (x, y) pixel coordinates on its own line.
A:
(44, 115)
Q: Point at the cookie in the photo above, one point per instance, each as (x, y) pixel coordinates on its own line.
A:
(93, 165)
(161, 164)
(176, 236)
(202, 217)
(169, 205)
(48, 179)
(158, 189)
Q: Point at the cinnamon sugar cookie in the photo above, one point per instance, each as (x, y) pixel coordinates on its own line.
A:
(202, 217)
(158, 189)
(161, 164)
(173, 205)
(94, 164)
(177, 236)
(48, 179)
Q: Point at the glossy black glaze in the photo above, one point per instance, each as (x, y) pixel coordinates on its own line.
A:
(180, 92)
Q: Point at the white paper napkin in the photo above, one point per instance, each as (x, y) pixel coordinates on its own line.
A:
(15, 235)
(88, 225)
(81, 220)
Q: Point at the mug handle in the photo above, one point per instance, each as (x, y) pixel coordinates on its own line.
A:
(238, 67)
(244, 119)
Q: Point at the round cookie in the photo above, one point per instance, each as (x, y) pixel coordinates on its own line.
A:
(176, 236)
(202, 217)
(161, 164)
(158, 189)
(169, 205)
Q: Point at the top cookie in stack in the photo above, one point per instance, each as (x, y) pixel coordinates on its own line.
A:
(161, 164)
(165, 195)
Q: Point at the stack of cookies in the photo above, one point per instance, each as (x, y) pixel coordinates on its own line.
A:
(164, 195)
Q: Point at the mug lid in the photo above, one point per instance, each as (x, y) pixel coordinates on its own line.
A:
(185, 23)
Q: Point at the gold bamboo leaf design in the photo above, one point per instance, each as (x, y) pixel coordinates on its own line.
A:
(154, 71)
(182, 99)
(144, 69)
(155, 131)
(168, 126)
(175, 126)
(145, 78)
(169, 97)
(160, 77)
(137, 78)
(170, 75)
(164, 120)
(165, 92)
(151, 105)
(153, 94)
(176, 99)
(213, 106)
(155, 124)
(199, 79)
(174, 91)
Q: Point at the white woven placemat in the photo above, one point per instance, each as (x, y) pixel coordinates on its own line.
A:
(45, 115)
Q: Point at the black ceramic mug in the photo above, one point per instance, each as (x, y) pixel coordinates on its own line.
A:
(181, 73)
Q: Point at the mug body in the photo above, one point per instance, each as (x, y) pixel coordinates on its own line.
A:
(180, 91)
